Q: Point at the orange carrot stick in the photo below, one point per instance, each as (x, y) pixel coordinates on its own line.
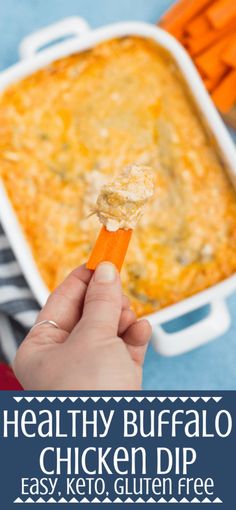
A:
(210, 63)
(198, 26)
(229, 55)
(189, 10)
(221, 12)
(198, 44)
(224, 96)
(174, 11)
(211, 83)
(111, 247)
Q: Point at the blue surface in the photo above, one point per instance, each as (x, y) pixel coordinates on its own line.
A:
(212, 367)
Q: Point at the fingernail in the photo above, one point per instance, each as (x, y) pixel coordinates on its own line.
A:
(105, 273)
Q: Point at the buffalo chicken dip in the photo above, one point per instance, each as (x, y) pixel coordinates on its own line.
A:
(120, 203)
(66, 131)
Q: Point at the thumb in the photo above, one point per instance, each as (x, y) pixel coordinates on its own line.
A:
(103, 302)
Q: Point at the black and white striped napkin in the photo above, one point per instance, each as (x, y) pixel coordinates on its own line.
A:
(18, 307)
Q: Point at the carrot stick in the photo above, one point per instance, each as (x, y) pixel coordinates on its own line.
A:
(198, 44)
(111, 247)
(210, 63)
(224, 96)
(174, 11)
(211, 83)
(189, 10)
(229, 55)
(221, 12)
(198, 26)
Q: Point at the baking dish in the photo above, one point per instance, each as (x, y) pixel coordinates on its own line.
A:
(218, 319)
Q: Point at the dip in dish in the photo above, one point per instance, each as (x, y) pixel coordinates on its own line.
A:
(69, 128)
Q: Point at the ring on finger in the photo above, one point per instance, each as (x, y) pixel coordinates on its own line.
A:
(51, 323)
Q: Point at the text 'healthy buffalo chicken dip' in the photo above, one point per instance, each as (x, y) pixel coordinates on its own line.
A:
(68, 129)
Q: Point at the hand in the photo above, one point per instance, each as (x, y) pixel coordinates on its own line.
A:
(99, 345)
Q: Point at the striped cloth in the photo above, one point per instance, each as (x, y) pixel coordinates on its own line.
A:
(18, 307)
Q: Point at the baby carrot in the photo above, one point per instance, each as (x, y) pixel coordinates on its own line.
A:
(110, 247)
(177, 22)
(222, 12)
(210, 62)
(198, 44)
(211, 83)
(198, 26)
(229, 55)
(224, 96)
(174, 11)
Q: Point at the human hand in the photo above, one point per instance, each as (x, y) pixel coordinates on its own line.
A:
(99, 344)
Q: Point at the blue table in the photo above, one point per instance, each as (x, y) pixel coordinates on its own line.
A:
(212, 367)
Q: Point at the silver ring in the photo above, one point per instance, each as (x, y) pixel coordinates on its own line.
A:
(52, 323)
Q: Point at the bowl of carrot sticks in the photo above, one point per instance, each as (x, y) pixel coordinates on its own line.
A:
(207, 29)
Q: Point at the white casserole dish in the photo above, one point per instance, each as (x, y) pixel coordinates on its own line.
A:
(218, 320)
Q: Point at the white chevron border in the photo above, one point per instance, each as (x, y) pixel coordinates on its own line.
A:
(118, 500)
(117, 399)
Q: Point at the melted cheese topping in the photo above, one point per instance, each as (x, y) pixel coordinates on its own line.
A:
(69, 128)
(120, 203)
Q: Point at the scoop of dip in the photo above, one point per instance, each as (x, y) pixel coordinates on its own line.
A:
(121, 202)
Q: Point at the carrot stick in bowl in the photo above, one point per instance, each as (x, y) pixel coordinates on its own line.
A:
(224, 96)
(198, 44)
(211, 83)
(186, 12)
(198, 26)
(210, 62)
(229, 55)
(221, 12)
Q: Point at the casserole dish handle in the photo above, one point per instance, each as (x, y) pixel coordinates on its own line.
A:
(74, 26)
(215, 324)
